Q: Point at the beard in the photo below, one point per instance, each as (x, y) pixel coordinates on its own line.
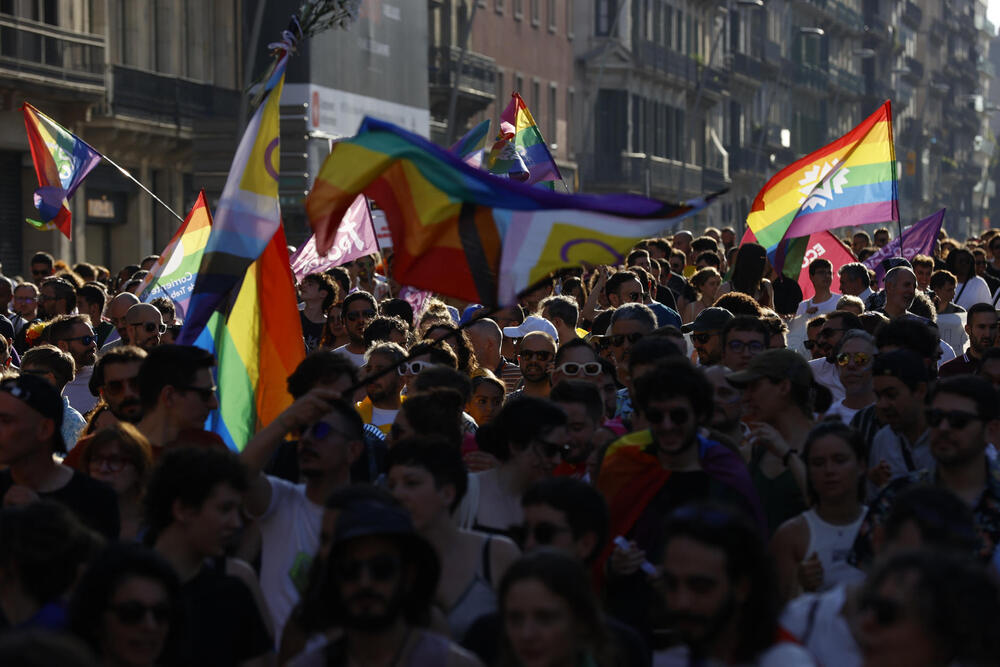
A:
(123, 413)
(533, 373)
(699, 631)
(378, 395)
(372, 621)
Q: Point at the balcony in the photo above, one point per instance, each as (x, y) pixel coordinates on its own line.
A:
(846, 16)
(44, 54)
(168, 99)
(849, 82)
(653, 56)
(772, 51)
(916, 68)
(748, 67)
(476, 83)
(912, 15)
(985, 67)
(967, 25)
(633, 172)
(714, 180)
(877, 27)
(810, 77)
(715, 80)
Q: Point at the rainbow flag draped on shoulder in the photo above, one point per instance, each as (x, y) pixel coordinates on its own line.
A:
(465, 233)
(851, 181)
(62, 160)
(519, 134)
(174, 273)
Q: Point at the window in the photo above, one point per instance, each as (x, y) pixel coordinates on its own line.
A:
(552, 15)
(535, 20)
(518, 9)
(536, 96)
(552, 136)
(519, 84)
(501, 96)
(569, 19)
(570, 95)
(604, 17)
(498, 6)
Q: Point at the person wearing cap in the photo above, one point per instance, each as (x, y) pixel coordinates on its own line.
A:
(376, 586)
(531, 324)
(778, 403)
(902, 445)
(535, 354)
(706, 334)
(31, 414)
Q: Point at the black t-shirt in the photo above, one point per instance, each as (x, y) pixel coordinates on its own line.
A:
(222, 624)
(94, 503)
(311, 332)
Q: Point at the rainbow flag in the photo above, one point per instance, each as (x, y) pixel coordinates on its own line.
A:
(62, 160)
(248, 214)
(471, 141)
(462, 232)
(522, 138)
(257, 342)
(851, 181)
(174, 273)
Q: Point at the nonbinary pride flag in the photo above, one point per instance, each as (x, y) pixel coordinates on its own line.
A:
(62, 160)
(851, 181)
(465, 233)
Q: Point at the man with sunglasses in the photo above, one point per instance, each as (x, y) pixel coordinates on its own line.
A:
(358, 308)
(288, 514)
(42, 266)
(825, 370)
(382, 400)
(981, 326)
(72, 334)
(706, 334)
(145, 325)
(535, 353)
(117, 309)
(962, 416)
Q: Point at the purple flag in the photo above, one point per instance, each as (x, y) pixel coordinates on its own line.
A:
(355, 238)
(916, 240)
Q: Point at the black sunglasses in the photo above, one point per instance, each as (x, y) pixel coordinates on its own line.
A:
(543, 532)
(678, 416)
(619, 339)
(958, 419)
(151, 327)
(118, 386)
(703, 337)
(541, 355)
(380, 568)
(355, 315)
(134, 612)
(86, 340)
(809, 344)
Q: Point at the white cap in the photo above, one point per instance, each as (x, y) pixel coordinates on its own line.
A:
(531, 324)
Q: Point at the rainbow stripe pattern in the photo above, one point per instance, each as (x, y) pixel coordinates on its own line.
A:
(465, 233)
(174, 273)
(851, 181)
(62, 160)
(526, 141)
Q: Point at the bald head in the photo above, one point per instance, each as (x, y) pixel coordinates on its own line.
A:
(145, 325)
(485, 336)
(116, 310)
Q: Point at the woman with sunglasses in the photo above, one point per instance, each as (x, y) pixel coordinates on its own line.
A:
(121, 457)
(428, 478)
(528, 437)
(550, 615)
(854, 356)
(126, 607)
(810, 550)
(706, 283)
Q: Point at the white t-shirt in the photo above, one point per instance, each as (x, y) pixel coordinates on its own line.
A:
(977, 291)
(289, 532)
(827, 375)
(782, 654)
(357, 359)
(382, 417)
(845, 413)
(77, 390)
(822, 307)
(828, 637)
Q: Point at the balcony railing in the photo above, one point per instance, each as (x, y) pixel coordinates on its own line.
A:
(847, 16)
(852, 83)
(52, 55)
(985, 67)
(912, 14)
(163, 98)
(810, 76)
(634, 171)
(747, 66)
(915, 66)
(652, 55)
(479, 72)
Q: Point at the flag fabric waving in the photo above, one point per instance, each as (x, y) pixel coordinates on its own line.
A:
(248, 214)
(918, 239)
(257, 342)
(62, 160)
(525, 139)
(472, 140)
(851, 181)
(355, 238)
(823, 245)
(465, 233)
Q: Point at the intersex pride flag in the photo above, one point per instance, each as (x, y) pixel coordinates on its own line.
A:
(916, 240)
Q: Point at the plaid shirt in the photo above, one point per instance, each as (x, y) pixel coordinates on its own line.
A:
(986, 513)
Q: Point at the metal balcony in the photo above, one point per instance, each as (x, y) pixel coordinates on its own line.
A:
(916, 68)
(911, 14)
(747, 66)
(31, 51)
(653, 56)
(476, 85)
(846, 16)
(638, 172)
(810, 77)
(715, 80)
(162, 98)
(849, 82)
(985, 67)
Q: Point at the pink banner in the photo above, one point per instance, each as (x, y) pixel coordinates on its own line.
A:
(826, 246)
(355, 238)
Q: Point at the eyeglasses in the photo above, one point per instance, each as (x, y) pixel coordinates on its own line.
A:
(543, 532)
(886, 612)
(550, 450)
(678, 416)
(957, 419)
(826, 333)
(704, 337)
(383, 567)
(118, 386)
(25, 299)
(355, 315)
(86, 340)
(859, 358)
(809, 344)
(413, 367)
(591, 368)
(320, 430)
(150, 327)
(112, 463)
(753, 346)
(204, 393)
(541, 355)
(619, 339)
(134, 612)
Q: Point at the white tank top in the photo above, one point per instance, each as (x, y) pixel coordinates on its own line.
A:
(832, 543)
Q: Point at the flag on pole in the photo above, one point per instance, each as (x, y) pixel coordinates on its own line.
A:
(174, 273)
(355, 238)
(472, 140)
(62, 160)
(918, 239)
(257, 342)
(248, 214)
(851, 181)
(521, 143)
(823, 245)
(464, 233)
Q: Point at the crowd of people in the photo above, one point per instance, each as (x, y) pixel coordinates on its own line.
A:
(677, 460)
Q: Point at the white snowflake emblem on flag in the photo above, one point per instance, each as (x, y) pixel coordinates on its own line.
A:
(817, 189)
